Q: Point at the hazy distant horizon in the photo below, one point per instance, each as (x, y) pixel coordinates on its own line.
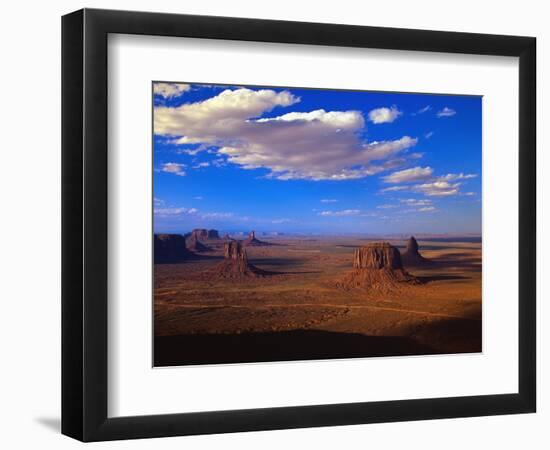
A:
(284, 235)
(315, 162)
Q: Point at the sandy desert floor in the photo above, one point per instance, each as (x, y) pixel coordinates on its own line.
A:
(299, 311)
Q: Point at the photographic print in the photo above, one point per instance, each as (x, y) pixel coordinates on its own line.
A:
(299, 224)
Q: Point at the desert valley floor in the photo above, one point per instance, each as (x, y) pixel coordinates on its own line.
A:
(299, 308)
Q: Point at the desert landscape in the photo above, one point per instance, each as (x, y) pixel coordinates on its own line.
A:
(296, 223)
(223, 300)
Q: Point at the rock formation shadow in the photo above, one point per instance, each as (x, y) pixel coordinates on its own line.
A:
(452, 261)
(458, 258)
(278, 261)
(192, 259)
(452, 335)
(472, 239)
(292, 345)
(284, 264)
(428, 279)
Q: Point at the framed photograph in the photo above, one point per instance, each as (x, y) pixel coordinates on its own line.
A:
(273, 225)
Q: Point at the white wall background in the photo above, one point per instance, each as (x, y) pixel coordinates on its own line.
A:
(30, 225)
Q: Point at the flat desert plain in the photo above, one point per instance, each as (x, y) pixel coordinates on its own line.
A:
(299, 309)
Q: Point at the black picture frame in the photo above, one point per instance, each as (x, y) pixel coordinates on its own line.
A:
(84, 224)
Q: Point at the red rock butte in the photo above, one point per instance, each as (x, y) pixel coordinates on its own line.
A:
(195, 245)
(202, 234)
(171, 249)
(235, 263)
(378, 255)
(234, 251)
(377, 266)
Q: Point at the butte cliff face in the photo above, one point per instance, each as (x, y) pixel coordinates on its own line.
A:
(212, 234)
(195, 245)
(202, 234)
(234, 251)
(377, 266)
(411, 256)
(171, 249)
(199, 234)
(378, 255)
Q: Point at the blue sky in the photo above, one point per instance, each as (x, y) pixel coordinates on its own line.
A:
(315, 161)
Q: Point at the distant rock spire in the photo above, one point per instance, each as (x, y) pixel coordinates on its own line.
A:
(412, 246)
(412, 256)
(251, 241)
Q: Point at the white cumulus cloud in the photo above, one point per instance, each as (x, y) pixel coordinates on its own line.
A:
(210, 121)
(339, 119)
(384, 115)
(409, 175)
(170, 90)
(175, 168)
(433, 186)
(438, 188)
(315, 145)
